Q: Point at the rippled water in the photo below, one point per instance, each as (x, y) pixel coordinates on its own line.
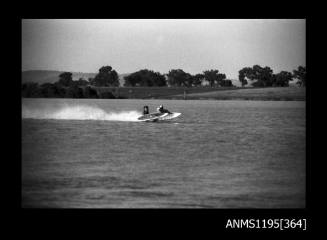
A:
(217, 154)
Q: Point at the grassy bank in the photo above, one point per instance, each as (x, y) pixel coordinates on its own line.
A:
(157, 92)
(271, 93)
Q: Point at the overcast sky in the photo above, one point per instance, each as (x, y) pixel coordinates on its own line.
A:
(193, 45)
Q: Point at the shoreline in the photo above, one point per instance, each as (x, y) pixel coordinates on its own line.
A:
(240, 94)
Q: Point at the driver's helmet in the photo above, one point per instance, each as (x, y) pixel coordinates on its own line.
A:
(160, 106)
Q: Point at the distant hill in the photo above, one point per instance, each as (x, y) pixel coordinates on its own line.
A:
(46, 76)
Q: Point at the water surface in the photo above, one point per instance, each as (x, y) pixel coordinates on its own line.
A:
(218, 154)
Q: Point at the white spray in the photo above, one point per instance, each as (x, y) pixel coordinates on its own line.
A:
(80, 113)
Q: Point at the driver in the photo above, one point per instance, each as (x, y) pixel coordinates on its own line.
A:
(145, 110)
(162, 110)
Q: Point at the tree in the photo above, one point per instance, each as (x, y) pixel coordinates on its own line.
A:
(53, 90)
(220, 79)
(258, 84)
(211, 76)
(197, 79)
(107, 77)
(74, 92)
(66, 79)
(60, 90)
(189, 79)
(132, 80)
(300, 74)
(145, 78)
(282, 79)
(264, 77)
(107, 95)
(90, 92)
(158, 79)
(227, 83)
(177, 77)
(243, 74)
(82, 82)
(91, 81)
(214, 77)
(30, 89)
(244, 82)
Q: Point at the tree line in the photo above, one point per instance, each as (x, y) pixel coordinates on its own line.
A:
(259, 77)
(66, 87)
(176, 78)
(264, 76)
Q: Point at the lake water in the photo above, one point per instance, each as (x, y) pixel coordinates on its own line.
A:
(91, 153)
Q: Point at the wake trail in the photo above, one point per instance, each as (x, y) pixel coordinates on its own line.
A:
(80, 113)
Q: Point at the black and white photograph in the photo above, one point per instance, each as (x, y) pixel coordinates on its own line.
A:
(163, 113)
